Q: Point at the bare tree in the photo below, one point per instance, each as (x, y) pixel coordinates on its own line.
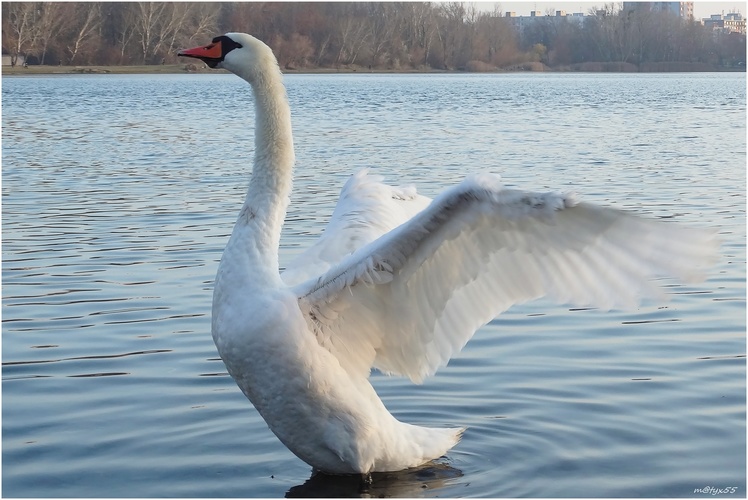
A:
(147, 17)
(420, 29)
(451, 33)
(494, 40)
(54, 18)
(382, 29)
(294, 51)
(124, 28)
(204, 21)
(350, 34)
(89, 16)
(181, 23)
(604, 32)
(19, 28)
(171, 27)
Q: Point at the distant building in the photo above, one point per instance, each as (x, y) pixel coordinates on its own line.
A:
(734, 22)
(19, 62)
(684, 10)
(520, 23)
(577, 17)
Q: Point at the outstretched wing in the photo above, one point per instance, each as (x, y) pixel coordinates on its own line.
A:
(366, 210)
(408, 301)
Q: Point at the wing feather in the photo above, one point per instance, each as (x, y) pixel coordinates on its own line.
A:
(367, 208)
(406, 302)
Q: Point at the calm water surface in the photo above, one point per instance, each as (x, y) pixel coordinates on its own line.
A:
(119, 193)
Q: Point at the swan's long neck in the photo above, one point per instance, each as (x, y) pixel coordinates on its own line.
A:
(257, 231)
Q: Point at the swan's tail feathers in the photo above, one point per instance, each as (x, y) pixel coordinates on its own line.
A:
(435, 442)
(411, 446)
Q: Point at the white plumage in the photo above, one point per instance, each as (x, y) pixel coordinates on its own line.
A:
(366, 210)
(400, 283)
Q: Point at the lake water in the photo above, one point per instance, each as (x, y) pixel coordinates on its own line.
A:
(119, 194)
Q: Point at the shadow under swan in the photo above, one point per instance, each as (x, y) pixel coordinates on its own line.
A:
(416, 482)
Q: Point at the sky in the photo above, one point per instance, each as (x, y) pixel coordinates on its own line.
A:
(700, 9)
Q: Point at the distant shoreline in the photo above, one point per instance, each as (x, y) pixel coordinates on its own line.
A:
(520, 68)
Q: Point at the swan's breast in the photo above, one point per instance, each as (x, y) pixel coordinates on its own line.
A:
(307, 399)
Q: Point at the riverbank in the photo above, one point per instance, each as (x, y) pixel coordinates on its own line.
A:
(71, 70)
(182, 68)
(590, 67)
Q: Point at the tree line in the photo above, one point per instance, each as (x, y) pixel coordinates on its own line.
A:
(381, 35)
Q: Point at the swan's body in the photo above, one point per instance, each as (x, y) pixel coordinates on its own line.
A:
(400, 283)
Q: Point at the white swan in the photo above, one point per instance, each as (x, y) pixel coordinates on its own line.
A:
(399, 283)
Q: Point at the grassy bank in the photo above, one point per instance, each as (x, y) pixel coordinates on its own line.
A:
(185, 68)
(532, 67)
(72, 70)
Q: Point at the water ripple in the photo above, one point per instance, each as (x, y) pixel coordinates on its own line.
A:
(119, 193)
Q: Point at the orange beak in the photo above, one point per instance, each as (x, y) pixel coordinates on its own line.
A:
(211, 54)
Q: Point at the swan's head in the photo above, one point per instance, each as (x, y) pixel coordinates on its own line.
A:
(239, 53)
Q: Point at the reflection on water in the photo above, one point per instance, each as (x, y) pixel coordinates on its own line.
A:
(426, 480)
(78, 358)
(119, 193)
